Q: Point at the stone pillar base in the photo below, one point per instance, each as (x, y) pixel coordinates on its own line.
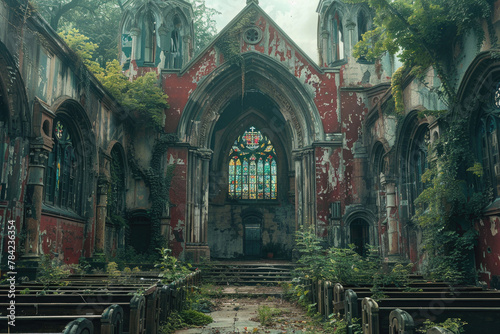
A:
(197, 253)
(98, 261)
(26, 266)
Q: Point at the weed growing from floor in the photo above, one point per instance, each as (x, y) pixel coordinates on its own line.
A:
(266, 314)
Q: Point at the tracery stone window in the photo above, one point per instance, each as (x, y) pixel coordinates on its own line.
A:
(362, 24)
(337, 36)
(116, 193)
(62, 173)
(253, 167)
(489, 150)
(176, 43)
(417, 163)
(150, 41)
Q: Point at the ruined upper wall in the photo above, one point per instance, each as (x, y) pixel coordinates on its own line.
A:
(52, 72)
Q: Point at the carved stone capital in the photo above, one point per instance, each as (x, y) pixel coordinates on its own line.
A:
(38, 152)
(204, 153)
(135, 32)
(102, 186)
(297, 155)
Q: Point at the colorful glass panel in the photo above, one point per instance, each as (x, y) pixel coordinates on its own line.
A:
(274, 179)
(238, 178)
(62, 170)
(231, 177)
(251, 167)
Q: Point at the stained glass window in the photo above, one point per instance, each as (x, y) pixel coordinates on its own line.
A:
(253, 167)
(497, 96)
(61, 172)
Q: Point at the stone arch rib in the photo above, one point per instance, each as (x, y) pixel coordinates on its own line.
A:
(263, 74)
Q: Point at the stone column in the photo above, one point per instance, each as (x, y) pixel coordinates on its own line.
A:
(192, 161)
(323, 52)
(309, 186)
(136, 45)
(38, 159)
(392, 222)
(164, 44)
(206, 156)
(186, 54)
(360, 156)
(197, 206)
(349, 40)
(297, 157)
(102, 202)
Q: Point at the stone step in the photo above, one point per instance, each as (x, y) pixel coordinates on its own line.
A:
(247, 273)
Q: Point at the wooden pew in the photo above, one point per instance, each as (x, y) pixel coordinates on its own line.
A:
(106, 322)
(483, 320)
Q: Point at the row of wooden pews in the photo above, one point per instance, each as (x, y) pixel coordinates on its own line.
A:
(479, 307)
(94, 304)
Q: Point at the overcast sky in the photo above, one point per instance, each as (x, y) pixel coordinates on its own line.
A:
(298, 18)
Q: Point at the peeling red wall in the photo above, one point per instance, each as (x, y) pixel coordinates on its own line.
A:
(488, 248)
(62, 236)
(178, 198)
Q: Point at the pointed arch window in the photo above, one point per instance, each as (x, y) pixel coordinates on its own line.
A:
(253, 167)
(337, 37)
(150, 40)
(489, 150)
(362, 24)
(417, 164)
(62, 172)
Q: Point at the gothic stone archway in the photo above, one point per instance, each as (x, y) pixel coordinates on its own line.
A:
(275, 101)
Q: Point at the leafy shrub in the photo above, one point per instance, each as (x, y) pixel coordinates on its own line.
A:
(195, 318)
(455, 325)
(266, 314)
(52, 271)
(171, 268)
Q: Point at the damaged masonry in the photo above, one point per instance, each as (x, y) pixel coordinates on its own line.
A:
(252, 149)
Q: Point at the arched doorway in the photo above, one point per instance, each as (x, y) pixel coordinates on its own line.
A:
(139, 236)
(360, 235)
(275, 102)
(252, 235)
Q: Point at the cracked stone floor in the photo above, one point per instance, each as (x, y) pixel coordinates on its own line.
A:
(237, 313)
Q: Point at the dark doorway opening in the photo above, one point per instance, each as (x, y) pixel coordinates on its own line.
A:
(140, 234)
(252, 245)
(360, 236)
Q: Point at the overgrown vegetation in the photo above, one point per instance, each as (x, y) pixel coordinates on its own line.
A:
(51, 271)
(448, 207)
(197, 303)
(344, 265)
(266, 314)
(424, 35)
(170, 267)
(455, 325)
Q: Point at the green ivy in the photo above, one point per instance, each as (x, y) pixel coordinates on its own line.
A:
(158, 180)
(447, 208)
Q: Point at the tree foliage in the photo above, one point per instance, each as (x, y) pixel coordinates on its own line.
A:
(204, 24)
(80, 44)
(448, 208)
(97, 19)
(423, 33)
(143, 97)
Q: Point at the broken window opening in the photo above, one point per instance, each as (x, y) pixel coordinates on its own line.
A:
(176, 43)
(337, 37)
(150, 42)
(62, 170)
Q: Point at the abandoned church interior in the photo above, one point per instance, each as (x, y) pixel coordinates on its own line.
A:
(258, 140)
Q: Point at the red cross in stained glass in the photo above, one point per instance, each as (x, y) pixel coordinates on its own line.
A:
(252, 138)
